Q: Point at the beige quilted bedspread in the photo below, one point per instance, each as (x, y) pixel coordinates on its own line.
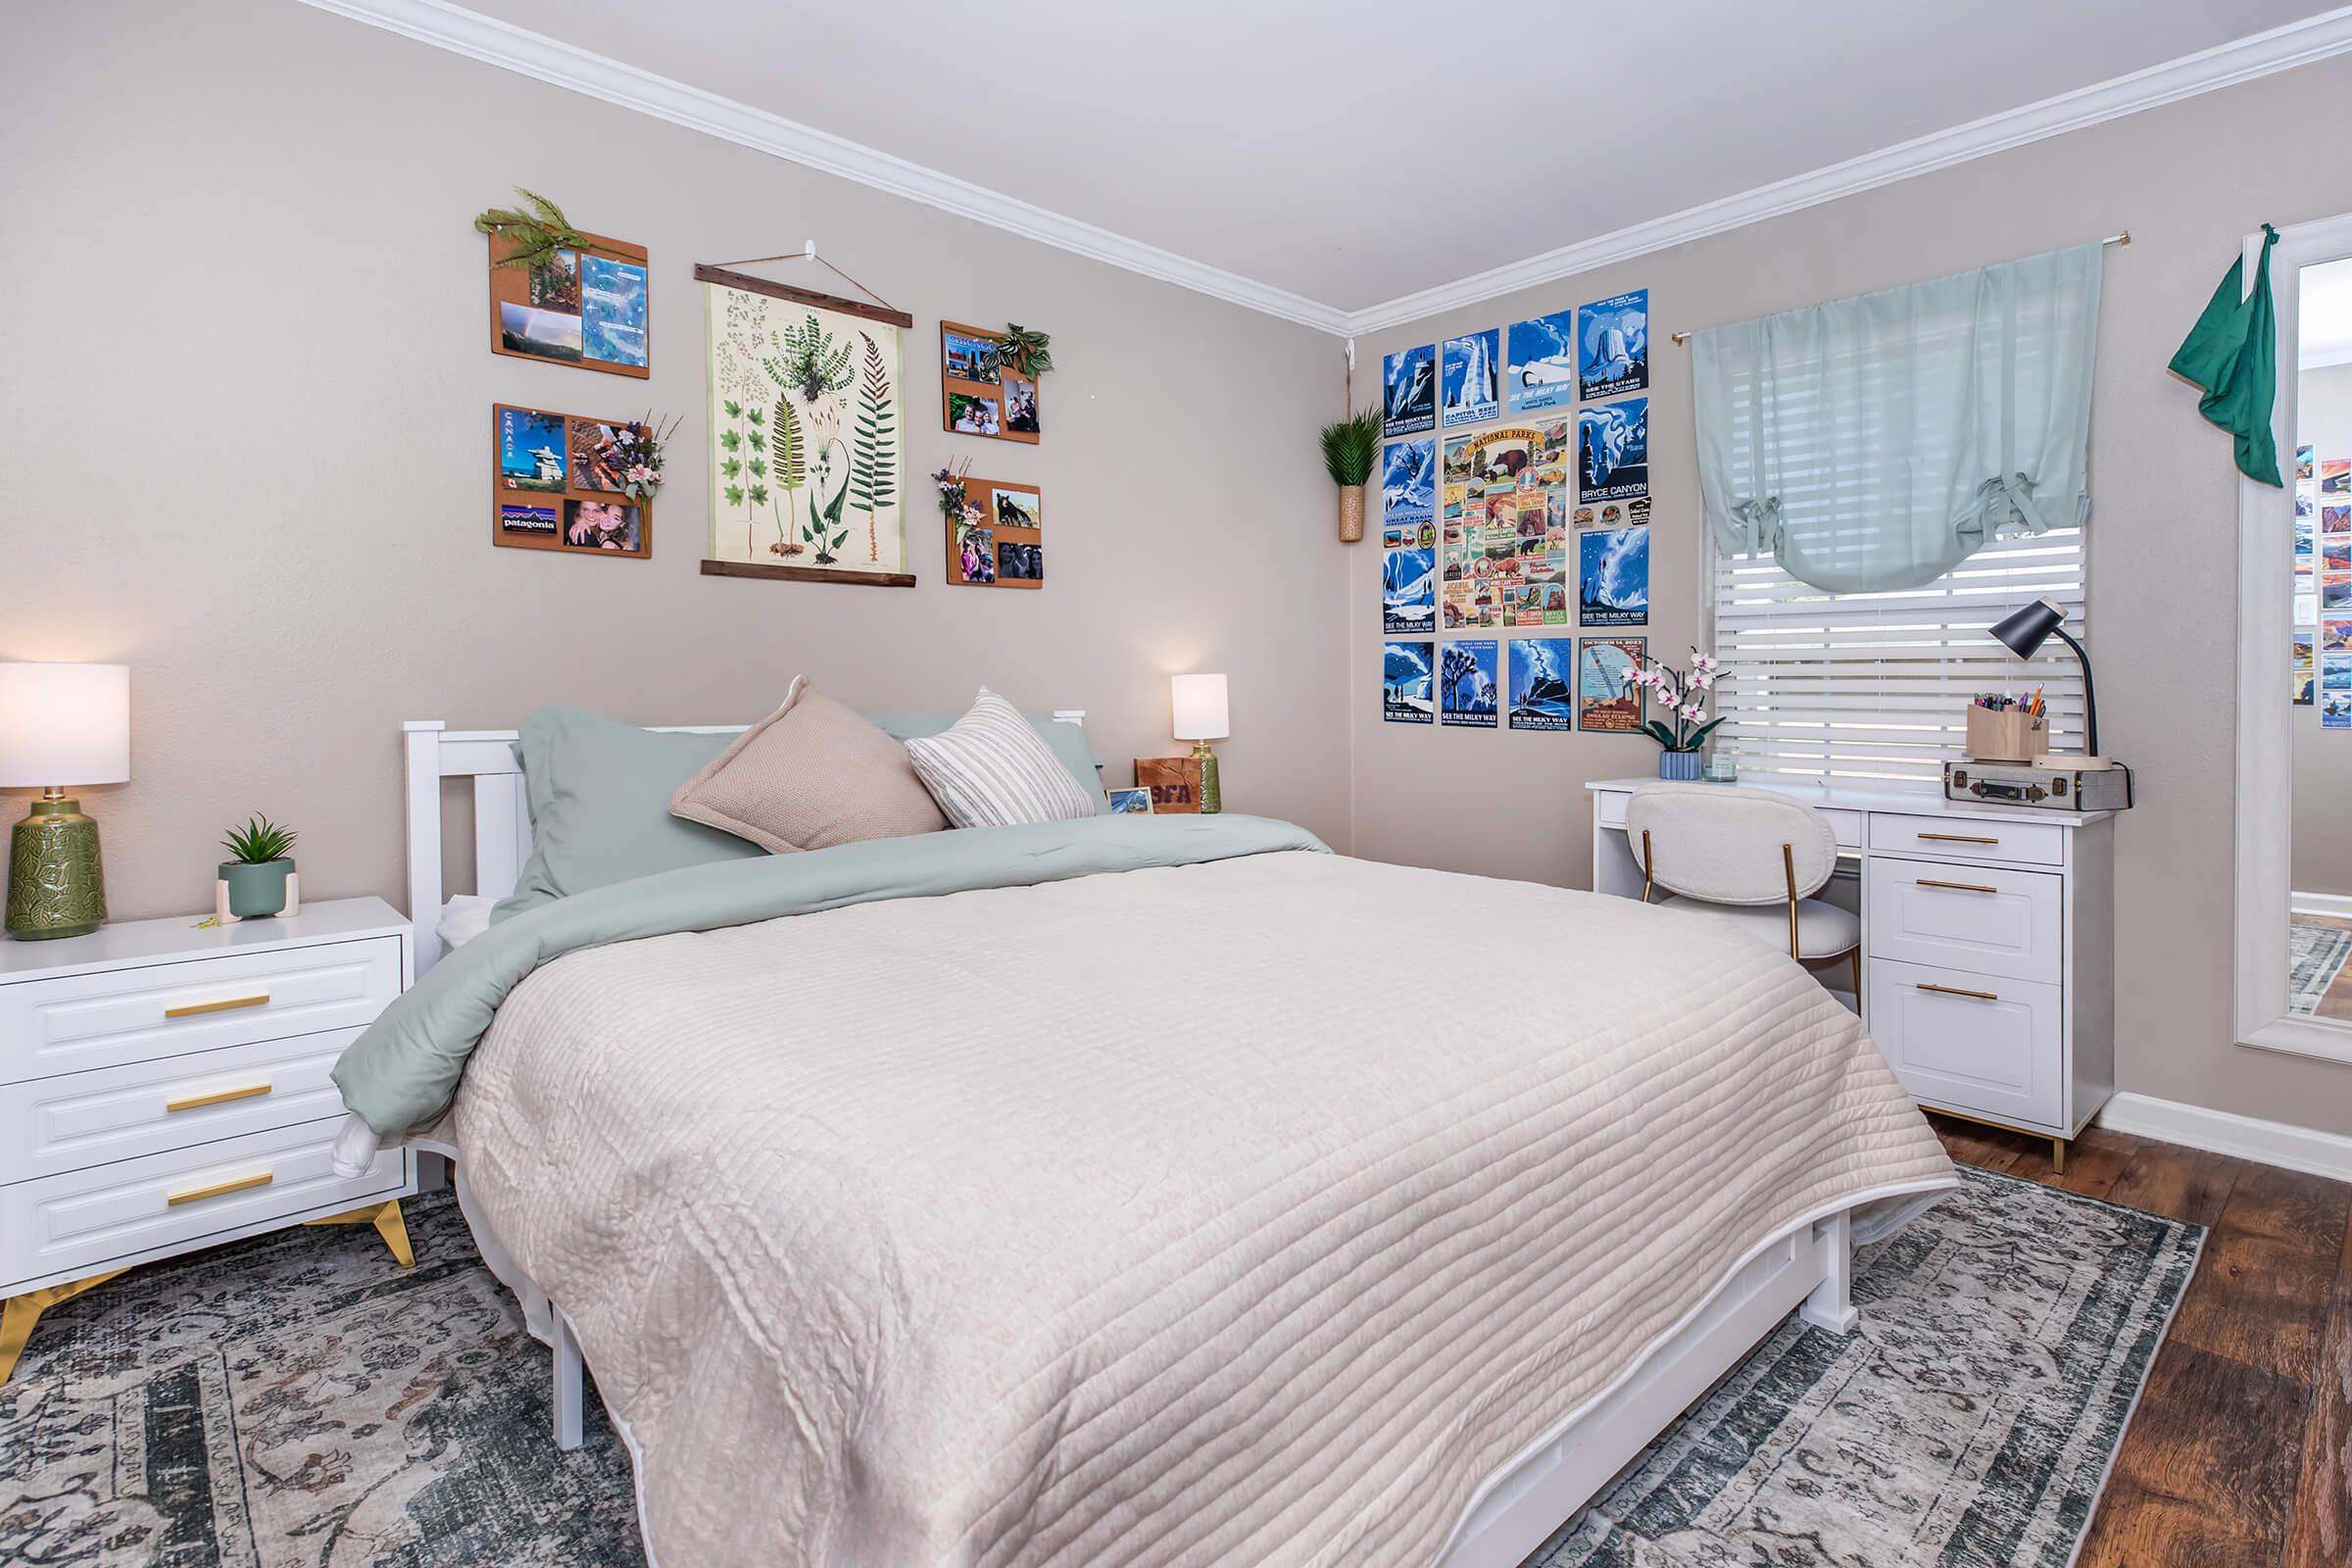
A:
(1249, 1212)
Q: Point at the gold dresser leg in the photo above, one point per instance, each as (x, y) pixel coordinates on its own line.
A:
(385, 1217)
(20, 1313)
(2057, 1156)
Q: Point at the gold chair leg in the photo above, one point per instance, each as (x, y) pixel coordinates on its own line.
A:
(1857, 978)
(385, 1217)
(20, 1313)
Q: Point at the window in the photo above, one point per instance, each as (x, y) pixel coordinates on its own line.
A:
(1875, 685)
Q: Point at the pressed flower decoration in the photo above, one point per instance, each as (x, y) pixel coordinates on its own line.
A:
(641, 455)
(1682, 698)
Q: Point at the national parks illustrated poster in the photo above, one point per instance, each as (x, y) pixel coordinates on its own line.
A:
(1604, 699)
(1468, 683)
(583, 307)
(1504, 529)
(1405, 696)
(1410, 391)
(1542, 696)
(808, 420)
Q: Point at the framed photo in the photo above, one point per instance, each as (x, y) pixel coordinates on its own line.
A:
(555, 486)
(1130, 802)
(584, 306)
(1172, 782)
(1006, 549)
(978, 397)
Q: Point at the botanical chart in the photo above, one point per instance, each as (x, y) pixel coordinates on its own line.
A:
(806, 415)
(1505, 529)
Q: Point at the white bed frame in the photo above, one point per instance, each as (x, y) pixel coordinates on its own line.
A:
(1807, 1268)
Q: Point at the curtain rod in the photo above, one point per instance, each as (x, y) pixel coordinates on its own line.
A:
(2125, 238)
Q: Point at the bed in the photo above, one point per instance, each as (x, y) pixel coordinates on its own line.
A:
(1140, 1189)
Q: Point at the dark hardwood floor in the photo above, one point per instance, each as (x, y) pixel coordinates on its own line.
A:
(2240, 1454)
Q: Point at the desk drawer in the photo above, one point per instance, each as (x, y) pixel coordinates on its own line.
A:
(1609, 808)
(1978, 919)
(89, 1219)
(1968, 838)
(169, 1010)
(1984, 1046)
(92, 1118)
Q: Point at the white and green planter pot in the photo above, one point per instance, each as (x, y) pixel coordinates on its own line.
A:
(249, 891)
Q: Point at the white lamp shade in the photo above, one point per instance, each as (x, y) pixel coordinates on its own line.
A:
(1199, 705)
(64, 724)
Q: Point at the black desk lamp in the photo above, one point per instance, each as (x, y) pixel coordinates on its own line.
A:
(2024, 632)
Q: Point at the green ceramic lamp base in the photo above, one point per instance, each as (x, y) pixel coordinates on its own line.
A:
(56, 883)
(1211, 797)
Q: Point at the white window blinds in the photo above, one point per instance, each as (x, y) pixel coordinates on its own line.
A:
(1875, 685)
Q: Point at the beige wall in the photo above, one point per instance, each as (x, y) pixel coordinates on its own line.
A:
(244, 427)
(2322, 758)
(2163, 565)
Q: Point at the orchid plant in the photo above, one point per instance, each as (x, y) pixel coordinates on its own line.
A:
(1683, 697)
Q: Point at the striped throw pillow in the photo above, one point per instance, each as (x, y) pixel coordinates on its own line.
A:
(991, 769)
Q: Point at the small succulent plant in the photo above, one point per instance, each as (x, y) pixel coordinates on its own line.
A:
(259, 842)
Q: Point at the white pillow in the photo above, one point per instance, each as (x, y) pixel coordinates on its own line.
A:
(991, 769)
(463, 918)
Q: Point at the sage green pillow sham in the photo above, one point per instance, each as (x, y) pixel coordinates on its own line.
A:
(599, 792)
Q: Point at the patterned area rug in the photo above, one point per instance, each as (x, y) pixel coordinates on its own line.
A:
(298, 1399)
(2315, 954)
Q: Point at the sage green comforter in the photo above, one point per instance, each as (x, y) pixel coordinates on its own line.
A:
(401, 1074)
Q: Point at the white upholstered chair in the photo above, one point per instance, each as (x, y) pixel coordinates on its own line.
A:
(1748, 857)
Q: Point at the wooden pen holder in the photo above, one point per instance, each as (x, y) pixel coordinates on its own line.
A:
(2006, 734)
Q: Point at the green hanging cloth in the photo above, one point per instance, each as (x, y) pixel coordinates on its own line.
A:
(2232, 352)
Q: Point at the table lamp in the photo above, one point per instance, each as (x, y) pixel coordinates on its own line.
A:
(60, 724)
(2023, 632)
(1198, 702)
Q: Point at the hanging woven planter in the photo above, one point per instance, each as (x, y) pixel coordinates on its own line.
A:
(1352, 513)
(1350, 448)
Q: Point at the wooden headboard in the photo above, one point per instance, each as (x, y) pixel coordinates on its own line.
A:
(502, 816)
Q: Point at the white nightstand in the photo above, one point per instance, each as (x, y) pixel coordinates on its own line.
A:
(163, 1088)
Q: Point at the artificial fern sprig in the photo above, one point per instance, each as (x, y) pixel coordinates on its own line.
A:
(541, 231)
(1352, 446)
(259, 842)
(1026, 351)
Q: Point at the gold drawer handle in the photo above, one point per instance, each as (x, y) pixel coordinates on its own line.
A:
(1956, 887)
(1957, 838)
(197, 1194)
(1955, 991)
(226, 1005)
(217, 1097)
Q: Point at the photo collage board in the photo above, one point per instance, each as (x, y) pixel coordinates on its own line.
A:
(1511, 534)
(557, 484)
(2323, 592)
(1006, 548)
(584, 306)
(978, 394)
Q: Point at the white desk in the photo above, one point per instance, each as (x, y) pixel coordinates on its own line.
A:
(1987, 944)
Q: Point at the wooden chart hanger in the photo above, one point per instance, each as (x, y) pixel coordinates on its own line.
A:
(880, 309)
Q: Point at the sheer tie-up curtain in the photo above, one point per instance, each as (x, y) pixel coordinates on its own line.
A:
(1872, 444)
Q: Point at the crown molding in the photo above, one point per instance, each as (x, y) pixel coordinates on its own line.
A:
(510, 48)
(2262, 53)
(460, 31)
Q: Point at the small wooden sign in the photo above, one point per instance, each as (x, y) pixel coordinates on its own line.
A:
(976, 400)
(555, 486)
(588, 307)
(1006, 548)
(1174, 782)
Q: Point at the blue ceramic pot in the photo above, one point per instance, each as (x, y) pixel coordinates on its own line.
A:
(1682, 765)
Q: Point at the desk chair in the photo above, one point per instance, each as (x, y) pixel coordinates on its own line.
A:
(1749, 857)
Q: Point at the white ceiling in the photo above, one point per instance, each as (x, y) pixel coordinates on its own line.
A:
(1354, 151)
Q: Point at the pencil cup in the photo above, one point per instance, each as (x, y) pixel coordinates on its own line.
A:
(2006, 735)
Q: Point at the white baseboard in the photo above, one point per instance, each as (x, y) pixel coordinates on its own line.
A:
(2339, 905)
(2222, 1132)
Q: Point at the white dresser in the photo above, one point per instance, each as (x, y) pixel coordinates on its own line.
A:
(164, 1087)
(1987, 944)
